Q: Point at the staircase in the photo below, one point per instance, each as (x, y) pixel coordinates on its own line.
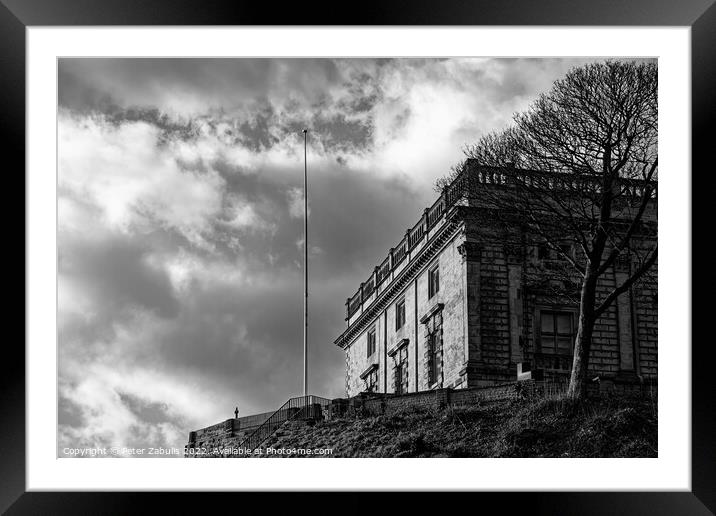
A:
(300, 408)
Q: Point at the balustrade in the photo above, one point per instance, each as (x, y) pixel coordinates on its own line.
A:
(462, 186)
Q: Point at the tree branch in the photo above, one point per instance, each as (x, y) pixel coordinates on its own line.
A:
(646, 197)
(627, 284)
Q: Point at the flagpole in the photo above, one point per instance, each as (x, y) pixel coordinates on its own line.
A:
(305, 267)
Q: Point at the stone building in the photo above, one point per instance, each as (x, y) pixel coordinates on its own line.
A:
(457, 304)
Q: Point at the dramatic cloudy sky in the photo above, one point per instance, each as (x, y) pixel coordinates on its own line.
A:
(181, 221)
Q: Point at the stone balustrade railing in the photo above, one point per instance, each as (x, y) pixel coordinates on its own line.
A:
(430, 219)
(463, 186)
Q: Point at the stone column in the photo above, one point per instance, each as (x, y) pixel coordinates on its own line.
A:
(416, 334)
(624, 321)
(471, 254)
(385, 350)
(514, 257)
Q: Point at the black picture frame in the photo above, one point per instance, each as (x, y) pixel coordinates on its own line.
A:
(700, 15)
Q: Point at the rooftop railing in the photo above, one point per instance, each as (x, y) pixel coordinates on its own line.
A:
(463, 186)
(431, 217)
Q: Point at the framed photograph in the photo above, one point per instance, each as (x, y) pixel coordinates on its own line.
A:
(420, 249)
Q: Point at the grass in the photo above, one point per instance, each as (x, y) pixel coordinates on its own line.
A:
(546, 427)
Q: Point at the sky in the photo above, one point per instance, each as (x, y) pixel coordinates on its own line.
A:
(180, 221)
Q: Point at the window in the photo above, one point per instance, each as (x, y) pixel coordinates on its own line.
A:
(545, 252)
(371, 342)
(399, 314)
(371, 381)
(401, 371)
(433, 281)
(434, 347)
(556, 332)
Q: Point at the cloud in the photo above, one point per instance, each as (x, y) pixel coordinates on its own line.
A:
(180, 204)
(117, 271)
(109, 406)
(134, 182)
(296, 202)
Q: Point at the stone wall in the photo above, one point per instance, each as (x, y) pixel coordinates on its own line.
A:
(357, 359)
(450, 296)
(231, 430)
(224, 439)
(494, 315)
(492, 291)
(645, 302)
(438, 399)
(508, 287)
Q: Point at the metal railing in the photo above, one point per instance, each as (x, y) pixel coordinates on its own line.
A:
(298, 408)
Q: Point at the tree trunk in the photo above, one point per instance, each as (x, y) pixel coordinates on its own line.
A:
(583, 342)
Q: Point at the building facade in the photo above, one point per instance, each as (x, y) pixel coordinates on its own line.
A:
(457, 304)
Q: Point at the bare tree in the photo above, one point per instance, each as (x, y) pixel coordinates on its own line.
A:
(590, 146)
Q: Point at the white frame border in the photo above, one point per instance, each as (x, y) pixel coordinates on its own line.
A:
(670, 471)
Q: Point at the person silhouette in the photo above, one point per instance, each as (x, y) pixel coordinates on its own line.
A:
(236, 413)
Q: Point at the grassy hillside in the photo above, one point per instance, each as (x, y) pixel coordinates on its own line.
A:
(509, 428)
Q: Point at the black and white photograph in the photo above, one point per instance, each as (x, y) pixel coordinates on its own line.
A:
(413, 246)
(439, 257)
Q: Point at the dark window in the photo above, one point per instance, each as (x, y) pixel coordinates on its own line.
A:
(434, 347)
(371, 381)
(556, 332)
(546, 252)
(401, 371)
(543, 252)
(371, 342)
(433, 281)
(399, 314)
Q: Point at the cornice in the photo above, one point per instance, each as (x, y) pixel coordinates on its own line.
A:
(433, 310)
(369, 369)
(401, 344)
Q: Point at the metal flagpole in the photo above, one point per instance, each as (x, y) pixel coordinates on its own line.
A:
(305, 247)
